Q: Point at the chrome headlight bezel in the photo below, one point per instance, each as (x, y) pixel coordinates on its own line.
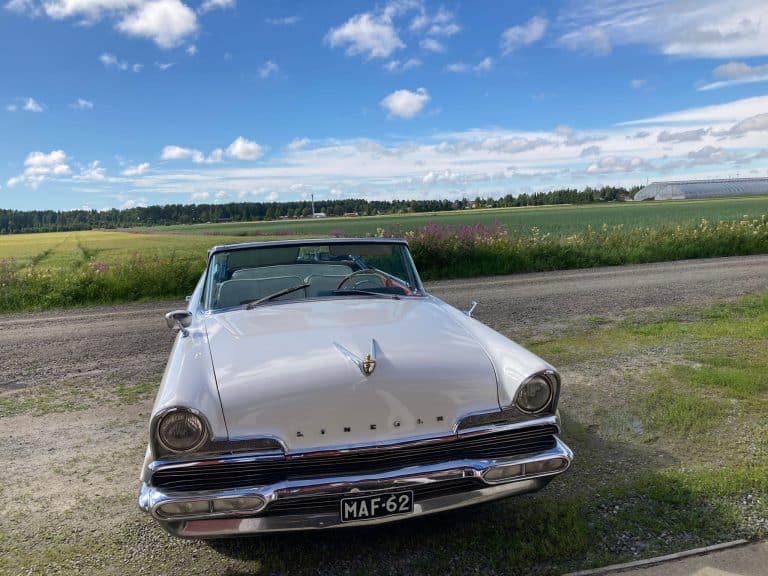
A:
(552, 383)
(173, 413)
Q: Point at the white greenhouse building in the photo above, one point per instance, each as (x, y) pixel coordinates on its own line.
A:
(703, 189)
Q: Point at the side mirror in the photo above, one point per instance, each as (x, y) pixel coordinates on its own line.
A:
(472, 306)
(179, 320)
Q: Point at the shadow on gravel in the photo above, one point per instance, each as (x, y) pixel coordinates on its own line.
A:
(614, 503)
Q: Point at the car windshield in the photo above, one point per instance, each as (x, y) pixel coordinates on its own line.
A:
(281, 272)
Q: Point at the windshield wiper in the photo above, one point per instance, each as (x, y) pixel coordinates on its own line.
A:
(283, 292)
(356, 291)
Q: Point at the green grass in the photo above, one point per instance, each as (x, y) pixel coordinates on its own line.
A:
(99, 267)
(560, 219)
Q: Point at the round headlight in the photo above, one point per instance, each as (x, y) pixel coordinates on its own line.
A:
(181, 431)
(535, 395)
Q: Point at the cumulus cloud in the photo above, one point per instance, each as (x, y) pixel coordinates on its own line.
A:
(173, 152)
(167, 22)
(684, 136)
(111, 61)
(516, 36)
(32, 105)
(268, 69)
(137, 170)
(284, 21)
(243, 149)
(707, 29)
(40, 166)
(432, 45)
(26, 105)
(441, 23)
(163, 66)
(94, 171)
(637, 83)
(398, 66)
(757, 123)
(370, 35)
(82, 104)
(734, 73)
(617, 164)
(484, 65)
(209, 5)
(191, 50)
(298, 144)
(404, 103)
(200, 196)
(457, 67)
(590, 151)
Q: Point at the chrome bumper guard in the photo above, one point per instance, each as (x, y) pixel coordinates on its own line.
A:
(510, 478)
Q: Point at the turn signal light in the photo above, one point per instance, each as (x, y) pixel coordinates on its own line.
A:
(246, 503)
(170, 509)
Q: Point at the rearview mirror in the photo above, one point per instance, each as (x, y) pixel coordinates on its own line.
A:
(179, 320)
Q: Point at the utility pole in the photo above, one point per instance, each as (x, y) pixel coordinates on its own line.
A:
(313, 204)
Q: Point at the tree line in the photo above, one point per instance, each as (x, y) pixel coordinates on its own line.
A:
(25, 221)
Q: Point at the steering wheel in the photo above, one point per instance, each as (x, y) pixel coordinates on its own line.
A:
(384, 280)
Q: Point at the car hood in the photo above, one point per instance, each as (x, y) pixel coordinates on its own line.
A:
(292, 370)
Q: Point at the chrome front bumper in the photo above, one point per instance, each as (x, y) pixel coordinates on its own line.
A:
(219, 524)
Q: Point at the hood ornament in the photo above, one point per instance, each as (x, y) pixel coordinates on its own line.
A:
(366, 365)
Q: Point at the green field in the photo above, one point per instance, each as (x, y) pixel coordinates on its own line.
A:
(560, 219)
(98, 267)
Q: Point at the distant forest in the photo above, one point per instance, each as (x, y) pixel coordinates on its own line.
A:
(25, 221)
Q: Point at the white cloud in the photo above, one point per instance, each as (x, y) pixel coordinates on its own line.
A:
(268, 69)
(137, 170)
(209, 5)
(704, 29)
(191, 50)
(734, 73)
(243, 149)
(457, 67)
(590, 39)
(40, 166)
(163, 66)
(32, 105)
(684, 136)
(528, 33)
(404, 103)
(484, 65)
(221, 195)
(614, 164)
(590, 151)
(432, 45)
(134, 203)
(112, 61)
(399, 66)
(757, 123)
(82, 104)
(442, 23)
(272, 196)
(200, 196)
(727, 112)
(298, 144)
(284, 21)
(173, 152)
(637, 83)
(366, 34)
(167, 22)
(94, 171)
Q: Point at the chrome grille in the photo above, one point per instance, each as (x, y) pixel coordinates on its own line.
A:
(224, 475)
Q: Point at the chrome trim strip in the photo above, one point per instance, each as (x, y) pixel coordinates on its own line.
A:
(214, 524)
(357, 448)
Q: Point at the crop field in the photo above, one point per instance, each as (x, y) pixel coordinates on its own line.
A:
(559, 220)
(98, 267)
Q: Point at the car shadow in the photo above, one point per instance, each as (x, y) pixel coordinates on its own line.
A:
(614, 503)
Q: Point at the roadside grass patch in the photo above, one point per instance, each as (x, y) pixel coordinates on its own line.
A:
(679, 412)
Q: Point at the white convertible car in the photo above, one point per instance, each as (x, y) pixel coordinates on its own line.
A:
(316, 384)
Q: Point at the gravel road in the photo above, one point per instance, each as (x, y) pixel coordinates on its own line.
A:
(76, 389)
(132, 342)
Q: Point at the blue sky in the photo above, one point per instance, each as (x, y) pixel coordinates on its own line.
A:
(119, 103)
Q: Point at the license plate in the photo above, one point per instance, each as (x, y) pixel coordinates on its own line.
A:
(376, 506)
